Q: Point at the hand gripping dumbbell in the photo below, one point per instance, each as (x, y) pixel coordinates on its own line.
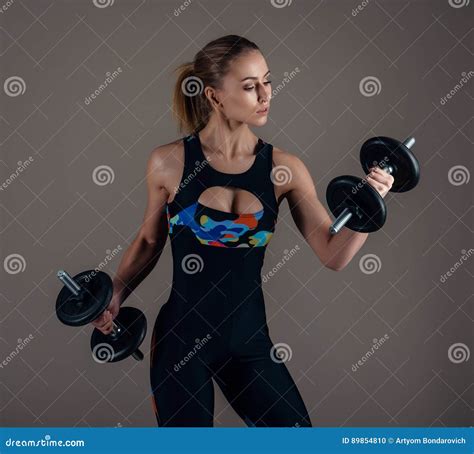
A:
(354, 202)
(85, 297)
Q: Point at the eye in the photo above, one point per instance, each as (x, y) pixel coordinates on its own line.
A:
(251, 88)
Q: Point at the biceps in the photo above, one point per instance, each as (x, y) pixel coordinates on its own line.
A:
(310, 216)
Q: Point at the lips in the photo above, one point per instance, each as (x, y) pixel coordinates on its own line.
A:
(263, 110)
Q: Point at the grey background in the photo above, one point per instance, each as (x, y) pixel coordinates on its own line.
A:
(55, 216)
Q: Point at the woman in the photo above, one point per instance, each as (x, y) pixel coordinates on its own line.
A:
(216, 193)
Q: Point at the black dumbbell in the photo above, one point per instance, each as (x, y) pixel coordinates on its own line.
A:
(354, 202)
(85, 297)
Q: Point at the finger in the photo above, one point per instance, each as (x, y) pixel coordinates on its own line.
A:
(374, 183)
(102, 320)
(384, 174)
(380, 177)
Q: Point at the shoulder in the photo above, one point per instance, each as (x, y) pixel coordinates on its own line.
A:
(285, 161)
(162, 156)
(165, 163)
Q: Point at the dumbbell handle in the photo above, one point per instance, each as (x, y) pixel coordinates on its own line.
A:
(347, 213)
(76, 289)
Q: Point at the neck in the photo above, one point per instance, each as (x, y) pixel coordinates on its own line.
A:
(228, 140)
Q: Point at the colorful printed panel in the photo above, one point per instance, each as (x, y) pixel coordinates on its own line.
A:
(240, 231)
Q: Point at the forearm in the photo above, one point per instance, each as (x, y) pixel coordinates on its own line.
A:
(138, 261)
(342, 247)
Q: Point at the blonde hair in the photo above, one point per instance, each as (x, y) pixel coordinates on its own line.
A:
(190, 106)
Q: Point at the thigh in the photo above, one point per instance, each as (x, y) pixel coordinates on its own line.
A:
(262, 392)
(182, 395)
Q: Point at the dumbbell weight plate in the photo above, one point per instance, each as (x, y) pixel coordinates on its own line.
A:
(107, 348)
(83, 309)
(406, 169)
(348, 191)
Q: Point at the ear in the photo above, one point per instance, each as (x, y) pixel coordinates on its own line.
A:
(212, 97)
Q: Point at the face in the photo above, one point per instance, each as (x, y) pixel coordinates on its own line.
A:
(246, 89)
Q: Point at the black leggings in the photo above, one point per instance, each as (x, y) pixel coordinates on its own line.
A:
(259, 388)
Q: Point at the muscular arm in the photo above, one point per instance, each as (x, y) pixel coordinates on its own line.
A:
(145, 250)
(313, 220)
